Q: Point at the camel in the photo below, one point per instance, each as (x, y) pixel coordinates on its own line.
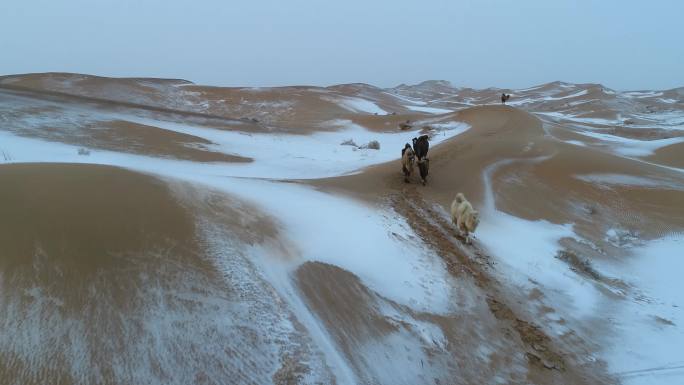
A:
(464, 216)
(420, 149)
(423, 168)
(407, 161)
(421, 146)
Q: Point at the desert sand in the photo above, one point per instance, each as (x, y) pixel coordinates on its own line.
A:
(157, 231)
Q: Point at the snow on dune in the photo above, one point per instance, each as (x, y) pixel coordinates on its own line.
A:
(576, 94)
(668, 100)
(282, 282)
(377, 246)
(429, 110)
(379, 238)
(669, 120)
(354, 104)
(520, 100)
(413, 101)
(642, 94)
(666, 120)
(530, 88)
(632, 147)
(284, 156)
(648, 344)
(575, 143)
(318, 155)
(359, 239)
(278, 156)
(275, 156)
(597, 121)
(645, 344)
(629, 180)
(528, 250)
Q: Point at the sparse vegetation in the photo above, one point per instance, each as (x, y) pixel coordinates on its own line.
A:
(405, 125)
(372, 145)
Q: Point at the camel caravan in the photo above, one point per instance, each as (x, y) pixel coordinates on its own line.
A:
(410, 155)
(463, 216)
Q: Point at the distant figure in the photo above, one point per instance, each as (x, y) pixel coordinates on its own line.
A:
(504, 98)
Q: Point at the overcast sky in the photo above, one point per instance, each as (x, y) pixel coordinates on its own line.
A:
(623, 44)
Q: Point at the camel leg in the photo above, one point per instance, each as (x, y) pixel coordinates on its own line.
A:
(458, 226)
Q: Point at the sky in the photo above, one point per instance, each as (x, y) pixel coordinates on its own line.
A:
(625, 45)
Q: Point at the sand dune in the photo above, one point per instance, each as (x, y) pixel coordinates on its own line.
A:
(669, 156)
(116, 272)
(496, 133)
(224, 235)
(538, 166)
(52, 206)
(142, 139)
(545, 174)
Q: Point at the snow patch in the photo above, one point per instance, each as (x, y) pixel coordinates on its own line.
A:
(529, 248)
(573, 118)
(633, 147)
(382, 255)
(648, 346)
(628, 180)
(287, 156)
(356, 105)
(622, 238)
(413, 101)
(642, 94)
(580, 93)
(429, 110)
(575, 143)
